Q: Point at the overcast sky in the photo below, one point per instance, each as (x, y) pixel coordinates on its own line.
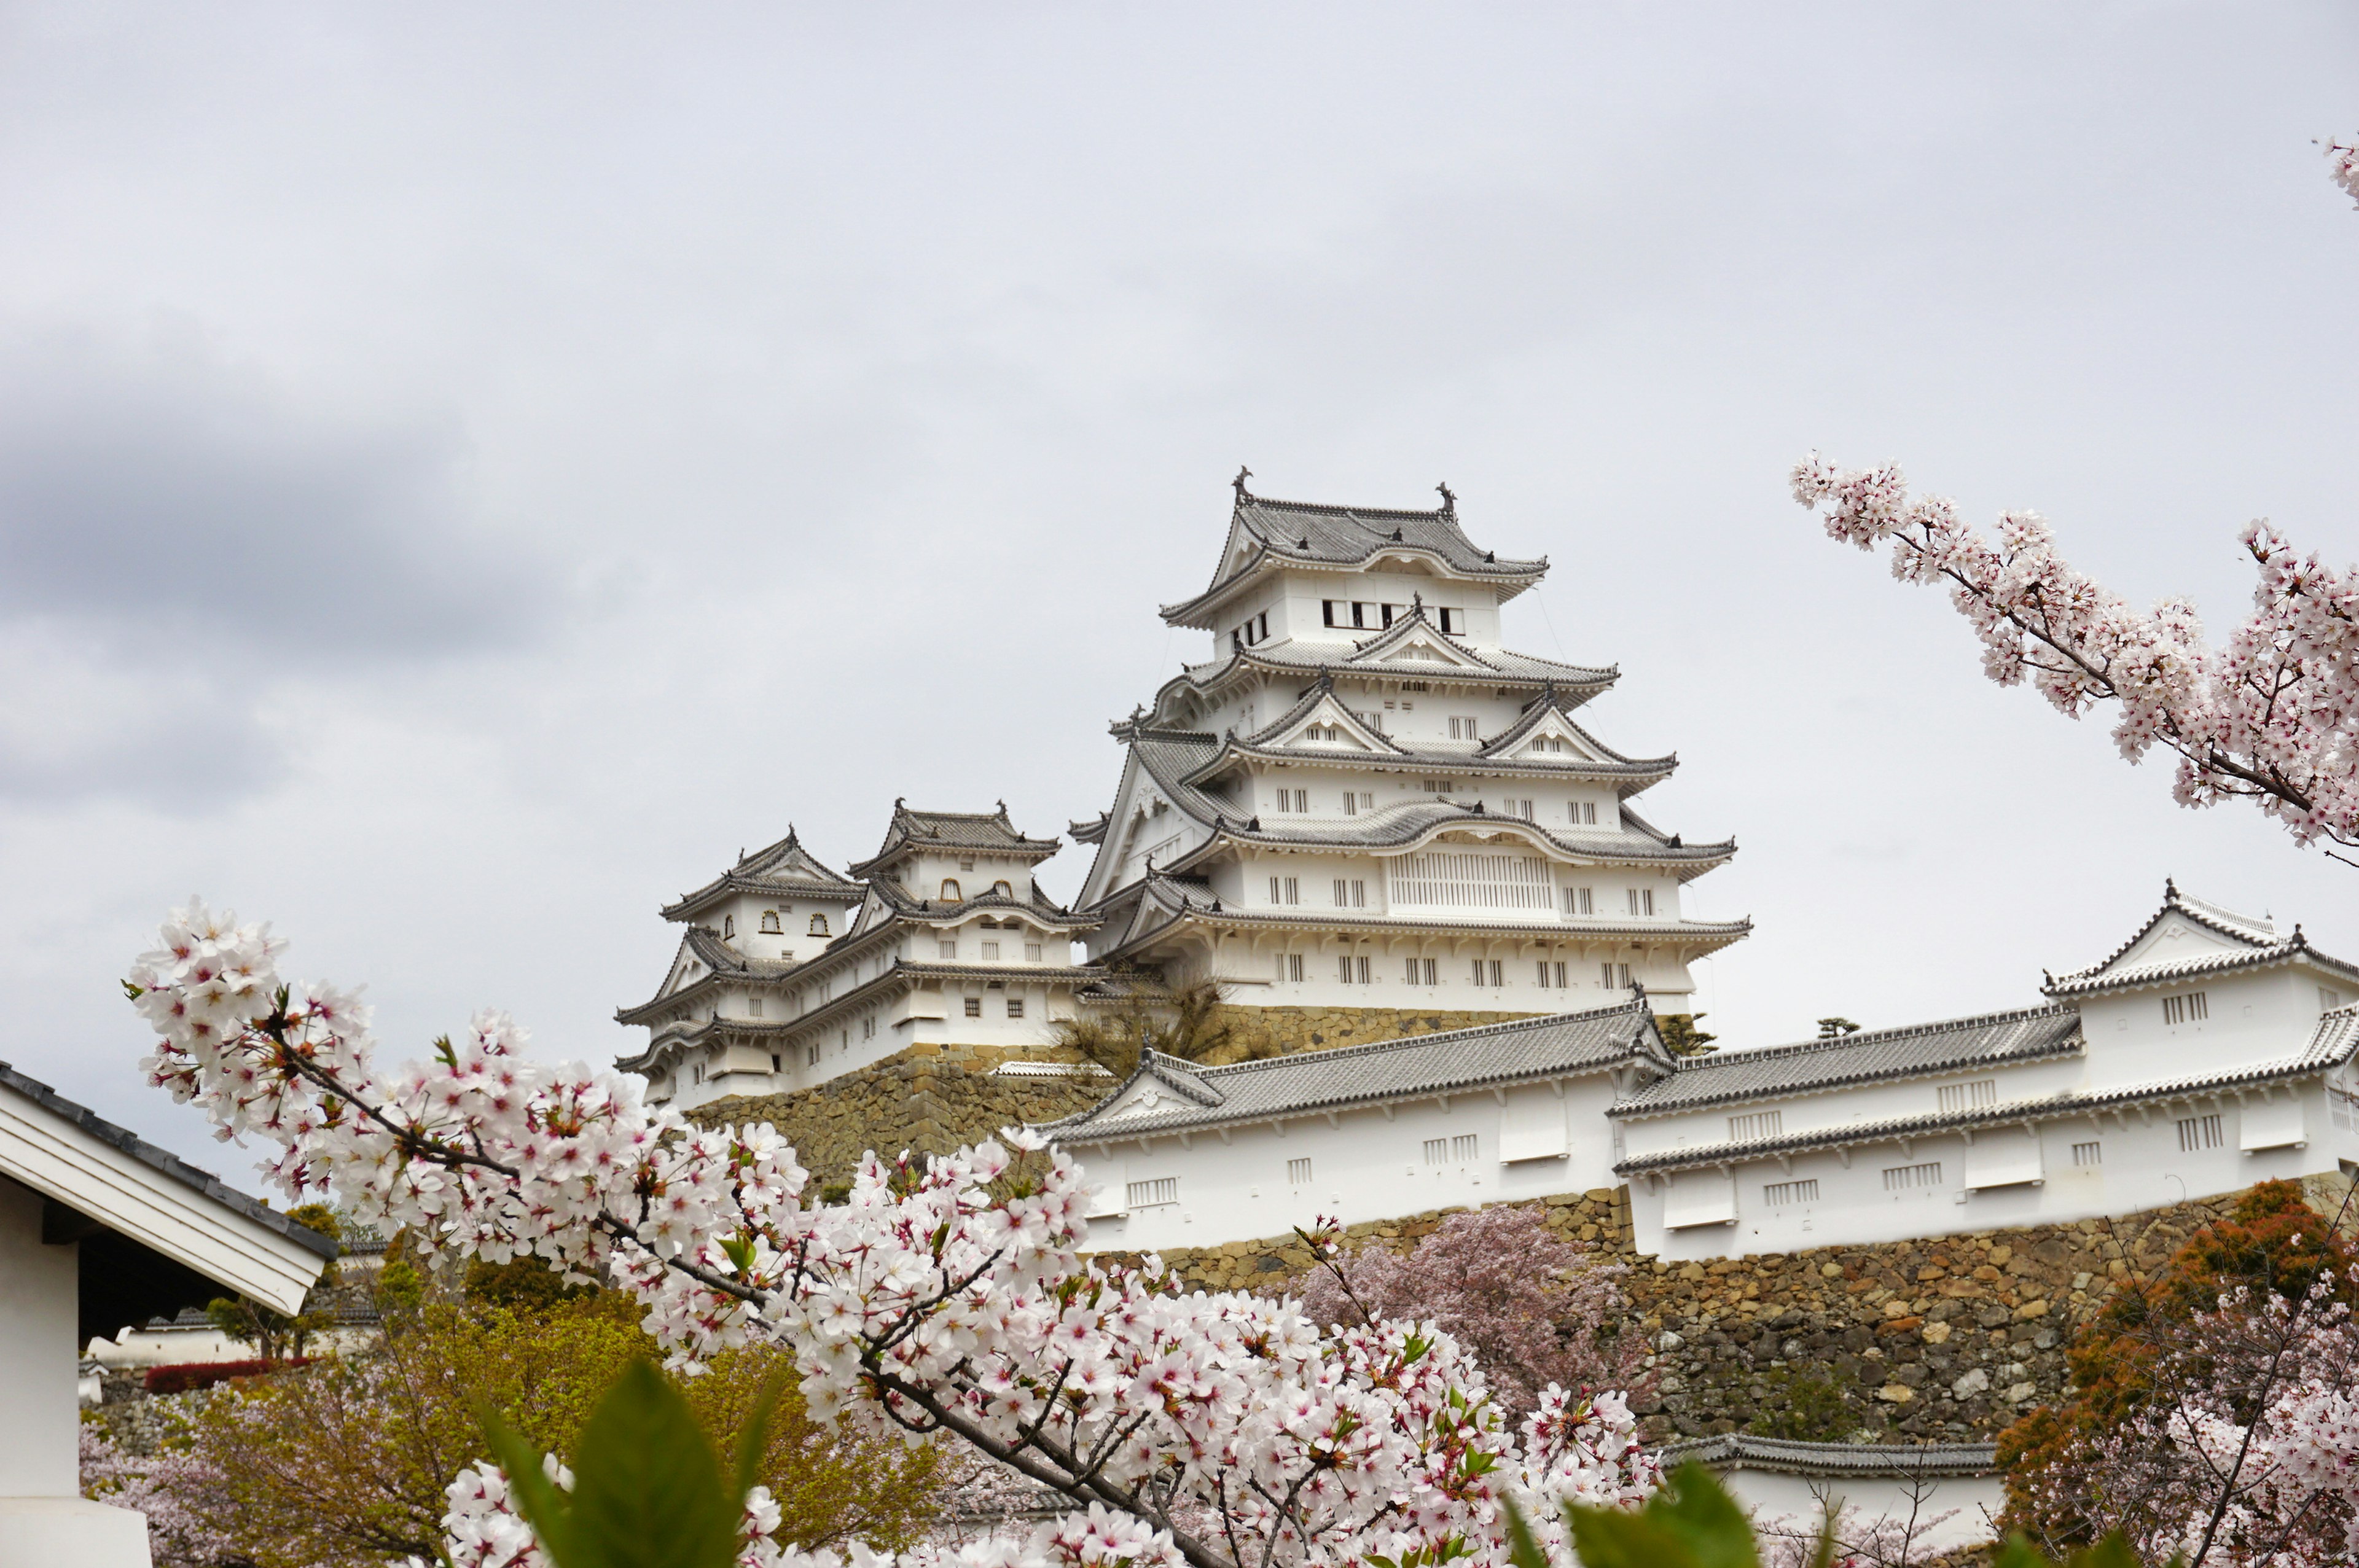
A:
(466, 471)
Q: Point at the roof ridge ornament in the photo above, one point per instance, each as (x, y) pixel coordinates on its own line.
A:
(1238, 484)
(1449, 503)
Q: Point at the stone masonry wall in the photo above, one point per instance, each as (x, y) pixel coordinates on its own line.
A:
(929, 1098)
(1946, 1339)
(1293, 1029)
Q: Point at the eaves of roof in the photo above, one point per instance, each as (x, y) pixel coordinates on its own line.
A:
(686, 906)
(1882, 1055)
(1460, 1061)
(1406, 828)
(1509, 670)
(125, 1141)
(1834, 1460)
(2292, 949)
(2054, 1108)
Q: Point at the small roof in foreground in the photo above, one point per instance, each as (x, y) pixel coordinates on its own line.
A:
(156, 1233)
(1834, 1459)
(1167, 1095)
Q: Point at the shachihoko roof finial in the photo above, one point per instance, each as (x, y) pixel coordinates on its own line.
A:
(1448, 501)
(1238, 483)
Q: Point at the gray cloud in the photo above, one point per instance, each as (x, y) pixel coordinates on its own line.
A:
(164, 494)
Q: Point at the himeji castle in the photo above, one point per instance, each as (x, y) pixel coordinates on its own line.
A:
(1362, 805)
(1364, 798)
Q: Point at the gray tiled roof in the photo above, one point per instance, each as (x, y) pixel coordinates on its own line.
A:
(2330, 1045)
(2260, 944)
(1293, 657)
(1836, 1459)
(1400, 825)
(1993, 1038)
(952, 830)
(166, 1163)
(784, 868)
(1311, 534)
(1312, 1081)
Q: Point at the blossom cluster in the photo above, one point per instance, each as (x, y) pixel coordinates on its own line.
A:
(2272, 715)
(2246, 1454)
(942, 1297)
(2343, 158)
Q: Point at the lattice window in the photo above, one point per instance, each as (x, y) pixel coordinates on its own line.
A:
(1906, 1178)
(2200, 1133)
(1757, 1124)
(1298, 1173)
(1955, 1097)
(1156, 1194)
(1779, 1194)
(1454, 879)
(2190, 1008)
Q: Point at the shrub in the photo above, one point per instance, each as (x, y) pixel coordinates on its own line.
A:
(192, 1375)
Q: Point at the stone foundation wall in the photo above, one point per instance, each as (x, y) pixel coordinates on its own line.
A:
(1948, 1339)
(929, 1098)
(1293, 1029)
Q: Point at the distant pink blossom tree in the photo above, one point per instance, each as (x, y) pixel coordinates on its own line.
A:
(166, 1486)
(1534, 1308)
(2271, 715)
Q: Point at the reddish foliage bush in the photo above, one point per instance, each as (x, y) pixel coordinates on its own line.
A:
(191, 1375)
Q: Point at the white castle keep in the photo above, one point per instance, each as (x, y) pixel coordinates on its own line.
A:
(1362, 800)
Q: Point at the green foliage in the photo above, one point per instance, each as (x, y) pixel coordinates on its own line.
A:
(1691, 1522)
(1836, 1027)
(1807, 1408)
(648, 1489)
(2271, 1242)
(343, 1464)
(1680, 1036)
(1187, 1024)
(521, 1284)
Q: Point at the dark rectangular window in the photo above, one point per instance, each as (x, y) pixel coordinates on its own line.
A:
(1327, 610)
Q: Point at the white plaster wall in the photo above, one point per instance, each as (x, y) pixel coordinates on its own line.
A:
(1798, 1502)
(37, 1361)
(2253, 1017)
(1364, 1167)
(2141, 1166)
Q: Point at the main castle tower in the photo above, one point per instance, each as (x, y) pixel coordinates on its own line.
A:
(1363, 801)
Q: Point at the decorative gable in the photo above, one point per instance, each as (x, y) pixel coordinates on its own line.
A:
(1332, 726)
(1553, 739)
(1416, 642)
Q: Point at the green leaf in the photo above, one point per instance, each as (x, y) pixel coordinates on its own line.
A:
(647, 1491)
(2113, 1551)
(755, 1437)
(536, 1497)
(1523, 1551)
(1693, 1522)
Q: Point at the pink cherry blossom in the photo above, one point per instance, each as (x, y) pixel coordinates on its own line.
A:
(946, 1299)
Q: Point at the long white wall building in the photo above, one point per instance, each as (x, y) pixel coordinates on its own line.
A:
(2207, 1053)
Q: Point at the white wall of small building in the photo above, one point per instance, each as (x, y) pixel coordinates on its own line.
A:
(1796, 1503)
(1362, 1167)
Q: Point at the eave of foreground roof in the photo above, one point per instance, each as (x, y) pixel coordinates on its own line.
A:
(166, 1164)
(2052, 1107)
(1834, 1460)
(1499, 668)
(2295, 948)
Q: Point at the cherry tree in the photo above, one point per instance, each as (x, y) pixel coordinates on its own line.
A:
(2271, 715)
(946, 1299)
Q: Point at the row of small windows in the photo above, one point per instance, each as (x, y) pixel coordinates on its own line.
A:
(771, 925)
(1352, 892)
(951, 893)
(1255, 629)
(2192, 1007)
(948, 951)
(1635, 901)
(1457, 1151)
(1360, 615)
(974, 1007)
(1357, 970)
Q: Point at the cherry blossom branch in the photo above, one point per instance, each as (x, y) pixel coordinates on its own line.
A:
(941, 1298)
(2272, 715)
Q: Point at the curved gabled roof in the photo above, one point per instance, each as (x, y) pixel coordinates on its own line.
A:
(910, 831)
(1310, 1082)
(784, 869)
(1266, 533)
(2248, 944)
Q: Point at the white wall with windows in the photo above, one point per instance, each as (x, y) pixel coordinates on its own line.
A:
(1260, 1180)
